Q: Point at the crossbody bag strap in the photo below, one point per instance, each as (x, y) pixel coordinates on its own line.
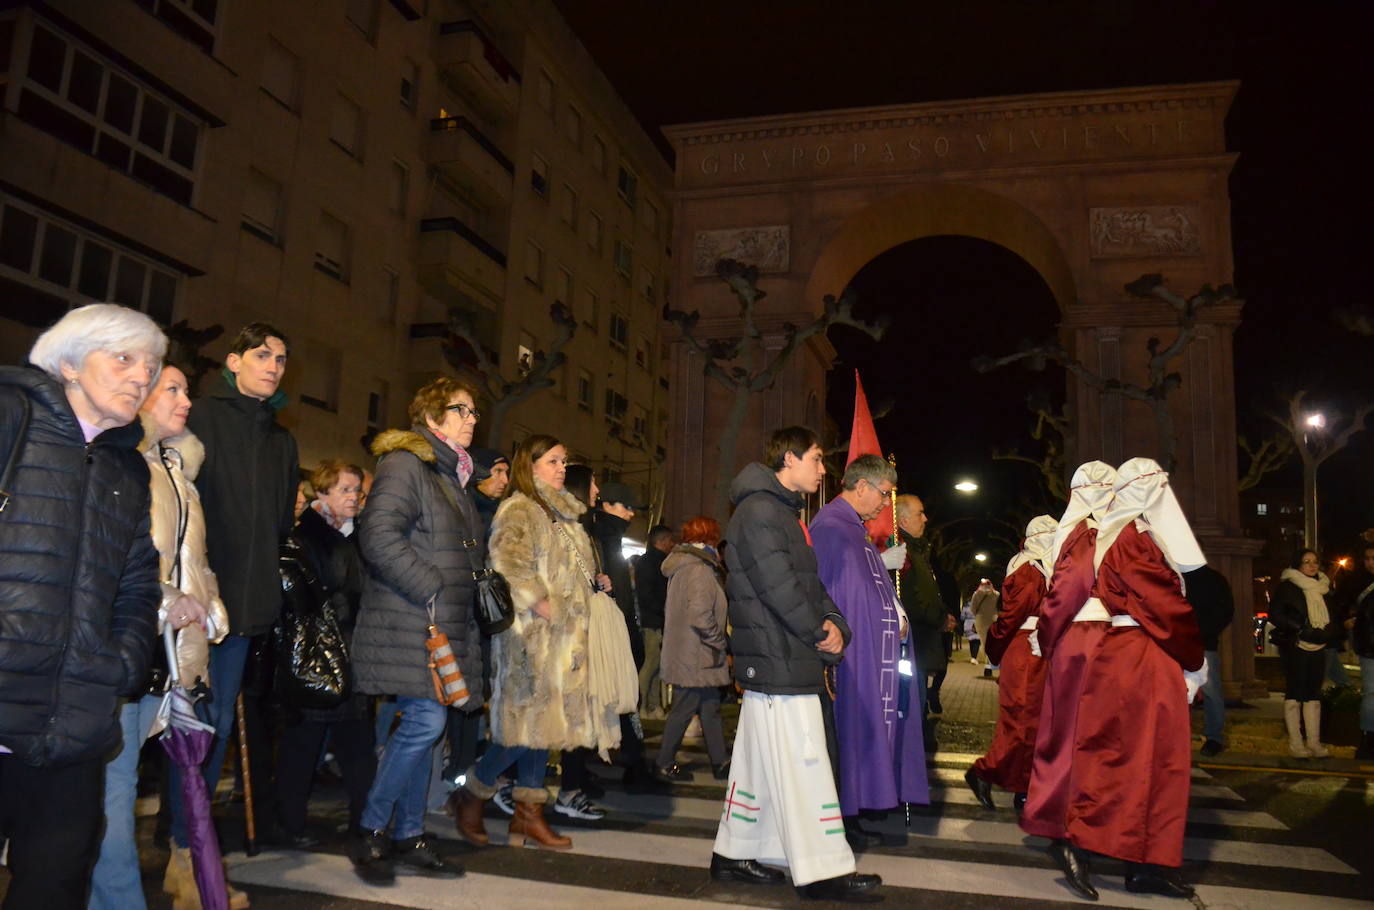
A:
(479, 571)
(12, 462)
(577, 554)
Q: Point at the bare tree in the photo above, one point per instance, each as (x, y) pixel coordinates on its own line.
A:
(1161, 382)
(1270, 455)
(1316, 439)
(1050, 430)
(500, 394)
(183, 348)
(742, 364)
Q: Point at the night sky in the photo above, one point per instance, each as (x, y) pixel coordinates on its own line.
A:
(1300, 193)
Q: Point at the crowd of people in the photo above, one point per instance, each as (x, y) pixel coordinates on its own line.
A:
(441, 625)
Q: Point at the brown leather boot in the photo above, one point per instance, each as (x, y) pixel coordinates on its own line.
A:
(529, 822)
(466, 809)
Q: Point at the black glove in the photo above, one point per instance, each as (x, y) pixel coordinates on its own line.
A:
(1314, 636)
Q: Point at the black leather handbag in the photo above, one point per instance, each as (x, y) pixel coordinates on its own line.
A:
(313, 669)
(491, 603)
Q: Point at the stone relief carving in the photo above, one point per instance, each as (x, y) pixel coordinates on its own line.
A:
(766, 247)
(1151, 230)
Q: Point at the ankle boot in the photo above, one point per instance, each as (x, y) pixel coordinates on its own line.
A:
(529, 823)
(1312, 719)
(1292, 720)
(466, 809)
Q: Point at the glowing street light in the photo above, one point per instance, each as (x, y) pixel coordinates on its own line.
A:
(980, 557)
(1316, 421)
(966, 486)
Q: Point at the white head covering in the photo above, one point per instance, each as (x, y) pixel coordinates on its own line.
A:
(1143, 492)
(1039, 540)
(1090, 493)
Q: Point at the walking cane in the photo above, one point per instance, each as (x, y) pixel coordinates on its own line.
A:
(250, 840)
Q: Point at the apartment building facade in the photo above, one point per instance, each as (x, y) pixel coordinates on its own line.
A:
(348, 170)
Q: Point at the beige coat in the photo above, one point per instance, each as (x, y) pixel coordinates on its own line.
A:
(540, 696)
(172, 469)
(693, 620)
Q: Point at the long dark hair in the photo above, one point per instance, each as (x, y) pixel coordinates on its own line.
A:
(1299, 554)
(578, 481)
(530, 450)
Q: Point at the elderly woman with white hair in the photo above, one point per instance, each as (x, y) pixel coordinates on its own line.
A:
(79, 589)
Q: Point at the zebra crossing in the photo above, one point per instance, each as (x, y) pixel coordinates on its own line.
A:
(652, 851)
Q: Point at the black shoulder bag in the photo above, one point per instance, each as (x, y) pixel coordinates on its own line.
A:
(491, 604)
(12, 462)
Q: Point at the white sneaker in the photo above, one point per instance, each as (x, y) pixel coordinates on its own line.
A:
(574, 804)
(504, 799)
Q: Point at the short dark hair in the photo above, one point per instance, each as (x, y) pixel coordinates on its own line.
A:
(658, 532)
(255, 335)
(797, 440)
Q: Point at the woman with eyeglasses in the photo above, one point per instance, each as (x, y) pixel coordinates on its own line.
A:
(420, 538)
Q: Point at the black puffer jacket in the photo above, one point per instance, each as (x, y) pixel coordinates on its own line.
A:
(412, 543)
(248, 492)
(78, 578)
(777, 601)
(608, 533)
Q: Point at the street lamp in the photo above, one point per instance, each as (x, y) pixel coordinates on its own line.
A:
(966, 486)
(980, 557)
(1314, 423)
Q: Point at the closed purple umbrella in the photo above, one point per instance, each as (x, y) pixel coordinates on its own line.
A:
(187, 740)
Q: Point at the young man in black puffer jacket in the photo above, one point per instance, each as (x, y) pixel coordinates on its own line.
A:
(785, 632)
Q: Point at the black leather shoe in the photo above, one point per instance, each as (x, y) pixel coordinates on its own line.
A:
(371, 856)
(981, 789)
(853, 888)
(415, 854)
(672, 774)
(1211, 748)
(1074, 865)
(1018, 802)
(858, 838)
(744, 870)
(1147, 879)
(721, 771)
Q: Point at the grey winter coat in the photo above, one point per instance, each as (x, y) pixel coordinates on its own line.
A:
(416, 547)
(777, 602)
(694, 620)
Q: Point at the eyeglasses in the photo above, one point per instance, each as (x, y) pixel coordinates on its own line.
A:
(464, 411)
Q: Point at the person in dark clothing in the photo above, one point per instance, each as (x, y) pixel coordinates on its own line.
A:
(1358, 595)
(1210, 594)
(79, 590)
(925, 609)
(1301, 616)
(651, 595)
(492, 476)
(248, 491)
(325, 538)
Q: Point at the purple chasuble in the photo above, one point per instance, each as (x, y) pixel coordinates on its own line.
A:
(882, 751)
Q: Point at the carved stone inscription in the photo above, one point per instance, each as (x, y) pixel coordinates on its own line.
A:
(765, 247)
(1151, 230)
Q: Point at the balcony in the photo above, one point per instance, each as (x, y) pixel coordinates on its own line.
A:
(456, 262)
(473, 66)
(462, 153)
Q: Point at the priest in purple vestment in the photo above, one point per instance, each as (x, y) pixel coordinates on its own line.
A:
(881, 749)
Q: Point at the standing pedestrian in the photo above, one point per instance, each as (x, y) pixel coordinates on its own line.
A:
(1302, 628)
(651, 593)
(1210, 594)
(983, 605)
(925, 609)
(1361, 605)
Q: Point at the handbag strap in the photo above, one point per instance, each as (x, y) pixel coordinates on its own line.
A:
(479, 571)
(7, 475)
(577, 554)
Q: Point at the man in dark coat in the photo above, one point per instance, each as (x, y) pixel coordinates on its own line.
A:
(925, 609)
(1357, 594)
(491, 477)
(1210, 595)
(651, 595)
(248, 490)
(781, 798)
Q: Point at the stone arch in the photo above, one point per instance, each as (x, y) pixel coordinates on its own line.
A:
(931, 209)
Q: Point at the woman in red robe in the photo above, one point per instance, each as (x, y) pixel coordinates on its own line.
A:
(1021, 682)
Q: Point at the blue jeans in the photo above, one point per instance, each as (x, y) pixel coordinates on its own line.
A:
(116, 883)
(227, 660)
(402, 780)
(529, 765)
(1213, 701)
(1335, 670)
(1367, 688)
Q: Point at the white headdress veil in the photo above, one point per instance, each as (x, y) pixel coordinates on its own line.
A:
(1090, 493)
(1036, 548)
(1143, 492)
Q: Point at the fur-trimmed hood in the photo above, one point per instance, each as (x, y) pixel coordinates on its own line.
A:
(389, 441)
(188, 445)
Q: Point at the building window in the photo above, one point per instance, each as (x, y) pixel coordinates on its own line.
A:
(624, 257)
(262, 207)
(319, 369)
(586, 390)
(281, 71)
(639, 424)
(646, 284)
(400, 187)
(539, 175)
(534, 263)
(650, 218)
(1261, 508)
(72, 266)
(563, 293)
(567, 209)
(620, 331)
(193, 20)
(346, 126)
(524, 354)
(599, 156)
(591, 309)
(391, 295)
(363, 15)
(376, 406)
(544, 88)
(572, 127)
(74, 95)
(595, 229)
(331, 251)
(642, 352)
(410, 84)
(616, 405)
(627, 185)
